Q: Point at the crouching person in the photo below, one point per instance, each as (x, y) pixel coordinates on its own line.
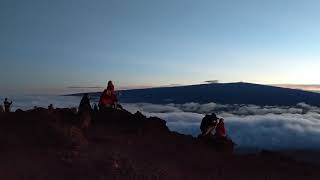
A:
(208, 125)
(213, 133)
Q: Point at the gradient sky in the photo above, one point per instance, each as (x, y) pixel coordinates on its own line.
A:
(47, 46)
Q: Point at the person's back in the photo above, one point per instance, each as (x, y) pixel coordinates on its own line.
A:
(205, 123)
(208, 124)
(7, 105)
(85, 103)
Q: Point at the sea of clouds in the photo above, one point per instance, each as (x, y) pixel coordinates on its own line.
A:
(260, 127)
(250, 126)
(26, 102)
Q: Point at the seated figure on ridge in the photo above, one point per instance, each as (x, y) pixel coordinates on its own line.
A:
(108, 98)
(208, 124)
(219, 139)
(85, 103)
(50, 108)
(7, 105)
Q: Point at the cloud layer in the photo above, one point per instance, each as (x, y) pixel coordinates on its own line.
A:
(28, 102)
(250, 126)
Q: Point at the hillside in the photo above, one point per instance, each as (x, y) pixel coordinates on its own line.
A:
(35, 145)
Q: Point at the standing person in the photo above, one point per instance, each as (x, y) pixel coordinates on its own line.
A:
(109, 97)
(1, 109)
(85, 103)
(7, 105)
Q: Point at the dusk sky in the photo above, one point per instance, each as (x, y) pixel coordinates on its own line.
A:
(48, 46)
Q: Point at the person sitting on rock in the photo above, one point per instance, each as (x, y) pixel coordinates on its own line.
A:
(208, 124)
(220, 129)
(7, 105)
(85, 103)
(219, 141)
(50, 108)
(108, 98)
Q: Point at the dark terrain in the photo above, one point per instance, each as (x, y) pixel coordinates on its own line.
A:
(37, 145)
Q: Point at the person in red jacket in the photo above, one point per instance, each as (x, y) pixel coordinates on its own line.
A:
(220, 129)
(108, 97)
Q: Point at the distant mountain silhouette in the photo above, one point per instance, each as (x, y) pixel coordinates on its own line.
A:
(223, 93)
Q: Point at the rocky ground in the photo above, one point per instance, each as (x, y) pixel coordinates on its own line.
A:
(43, 145)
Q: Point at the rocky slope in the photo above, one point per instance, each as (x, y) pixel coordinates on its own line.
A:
(43, 145)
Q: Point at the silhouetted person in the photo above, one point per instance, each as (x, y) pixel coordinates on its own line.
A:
(108, 98)
(7, 105)
(219, 141)
(85, 103)
(1, 109)
(208, 124)
(50, 108)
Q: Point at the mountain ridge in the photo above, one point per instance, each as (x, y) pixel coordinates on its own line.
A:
(223, 93)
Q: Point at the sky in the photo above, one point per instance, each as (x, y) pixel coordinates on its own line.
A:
(49, 46)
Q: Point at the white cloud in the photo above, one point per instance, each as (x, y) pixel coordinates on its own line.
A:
(28, 102)
(267, 127)
(253, 126)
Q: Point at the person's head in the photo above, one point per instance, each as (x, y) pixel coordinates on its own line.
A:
(6, 99)
(214, 116)
(110, 86)
(85, 95)
(110, 83)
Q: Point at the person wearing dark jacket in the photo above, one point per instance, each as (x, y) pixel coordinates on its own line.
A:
(7, 105)
(208, 124)
(85, 103)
